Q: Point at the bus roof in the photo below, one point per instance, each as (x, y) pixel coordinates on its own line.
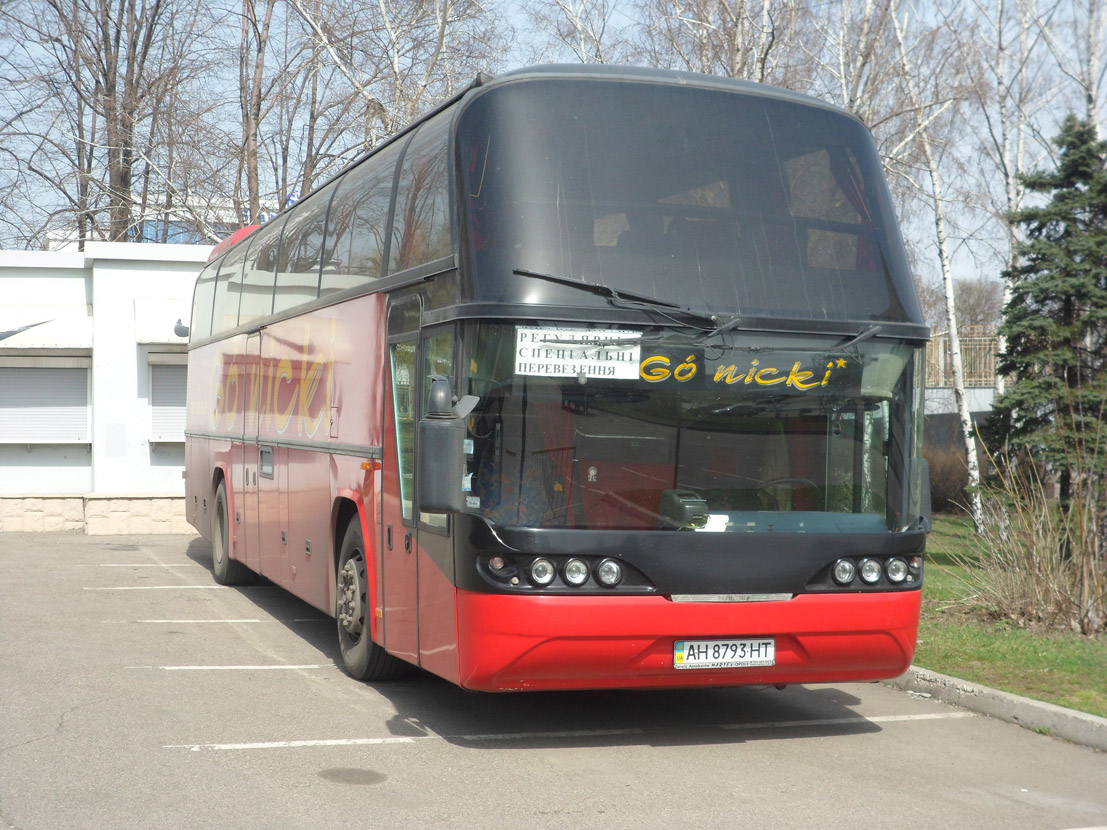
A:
(637, 74)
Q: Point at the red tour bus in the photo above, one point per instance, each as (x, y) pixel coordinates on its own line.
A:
(591, 378)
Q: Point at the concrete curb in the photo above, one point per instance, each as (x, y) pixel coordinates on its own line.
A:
(1047, 718)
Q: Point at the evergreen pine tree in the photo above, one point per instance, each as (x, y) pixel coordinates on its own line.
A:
(1056, 320)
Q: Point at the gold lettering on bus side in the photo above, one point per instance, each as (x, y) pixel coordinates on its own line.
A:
(686, 370)
(230, 406)
(796, 378)
(654, 369)
(763, 373)
(255, 387)
(284, 375)
(329, 402)
(749, 377)
(217, 392)
(726, 374)
(309, 385)
(271, 397)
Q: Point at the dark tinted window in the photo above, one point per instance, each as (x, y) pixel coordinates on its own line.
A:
(421, 230)
(354, 247)
(202, 301)
(724, 201)
(228, 288)
(259, 274)
(301, 246)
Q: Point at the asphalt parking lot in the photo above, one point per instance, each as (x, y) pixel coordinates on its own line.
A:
(138, 693)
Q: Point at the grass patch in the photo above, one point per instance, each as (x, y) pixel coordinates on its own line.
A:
(958, 639)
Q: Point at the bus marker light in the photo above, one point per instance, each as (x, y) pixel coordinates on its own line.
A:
(498, 565)
(844, 571)
(542, 572)
(576, 572)
(915, 563)
(609, 573)
(896, 570)
(871, 571)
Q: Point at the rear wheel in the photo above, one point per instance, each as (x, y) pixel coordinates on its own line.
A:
(363, 659)
(226, 571)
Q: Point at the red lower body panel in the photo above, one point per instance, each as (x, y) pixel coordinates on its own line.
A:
(511, 643)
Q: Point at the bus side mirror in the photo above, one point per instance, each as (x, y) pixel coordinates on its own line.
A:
(442, 450)
(180, 329)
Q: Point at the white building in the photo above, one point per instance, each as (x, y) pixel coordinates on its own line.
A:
(92, 385)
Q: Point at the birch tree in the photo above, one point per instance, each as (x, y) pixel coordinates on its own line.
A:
(581, 28)
(98, 74)
(1074, 31)
(923, 137)
(757, 40)
(1006, 45)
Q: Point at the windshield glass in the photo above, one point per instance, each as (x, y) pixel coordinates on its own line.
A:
(644, 430)
(719, 201)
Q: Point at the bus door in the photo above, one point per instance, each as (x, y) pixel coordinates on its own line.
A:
(399, 563)
(436, 583)
(420, 620)
(247, 531)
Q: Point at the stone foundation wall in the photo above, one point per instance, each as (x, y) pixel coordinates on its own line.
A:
(94, 515)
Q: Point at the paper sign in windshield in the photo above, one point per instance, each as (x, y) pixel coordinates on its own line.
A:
(587, 353)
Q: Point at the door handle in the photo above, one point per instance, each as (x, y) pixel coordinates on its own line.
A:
(407, 542)
(389, 535)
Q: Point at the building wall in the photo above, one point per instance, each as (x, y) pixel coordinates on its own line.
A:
(109, 311)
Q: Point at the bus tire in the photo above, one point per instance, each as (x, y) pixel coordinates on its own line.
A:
(226, 571)
(362, 658)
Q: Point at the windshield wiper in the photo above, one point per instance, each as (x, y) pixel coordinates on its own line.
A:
(627, 299)
(871, 331)
(730, 325)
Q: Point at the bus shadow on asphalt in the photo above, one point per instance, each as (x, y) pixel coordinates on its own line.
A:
(427, 706)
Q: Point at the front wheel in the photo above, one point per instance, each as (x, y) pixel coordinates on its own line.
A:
(363, 659)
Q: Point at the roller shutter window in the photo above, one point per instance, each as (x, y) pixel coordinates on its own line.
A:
(44, 405)
(167, 402)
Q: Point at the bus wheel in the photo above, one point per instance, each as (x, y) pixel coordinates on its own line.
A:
(363, 659)
(226, 571)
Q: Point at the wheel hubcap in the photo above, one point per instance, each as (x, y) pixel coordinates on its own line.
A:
(350, 612)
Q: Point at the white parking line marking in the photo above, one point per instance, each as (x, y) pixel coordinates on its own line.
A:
(572, 733)
(205, 622)
(786, 724)
(162, 588)
(240, 668)
(147, 565)
(296, 744)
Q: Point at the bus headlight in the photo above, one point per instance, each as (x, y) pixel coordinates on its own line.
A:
(844, 571)
(896, 569)
(871, 571)
(575, 572)
(609, 573)
(542, 572)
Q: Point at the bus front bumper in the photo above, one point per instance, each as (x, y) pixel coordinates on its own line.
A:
(514, 643)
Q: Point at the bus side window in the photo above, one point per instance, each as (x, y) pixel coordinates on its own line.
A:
(203, 299)
(228, 289)
(301, 244)
(259, 275)
(421, 226)
(354, 245)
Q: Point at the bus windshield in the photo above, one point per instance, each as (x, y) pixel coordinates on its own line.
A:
(733, 203)
(651, 431)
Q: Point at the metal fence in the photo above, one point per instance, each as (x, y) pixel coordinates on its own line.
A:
(979, 345)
